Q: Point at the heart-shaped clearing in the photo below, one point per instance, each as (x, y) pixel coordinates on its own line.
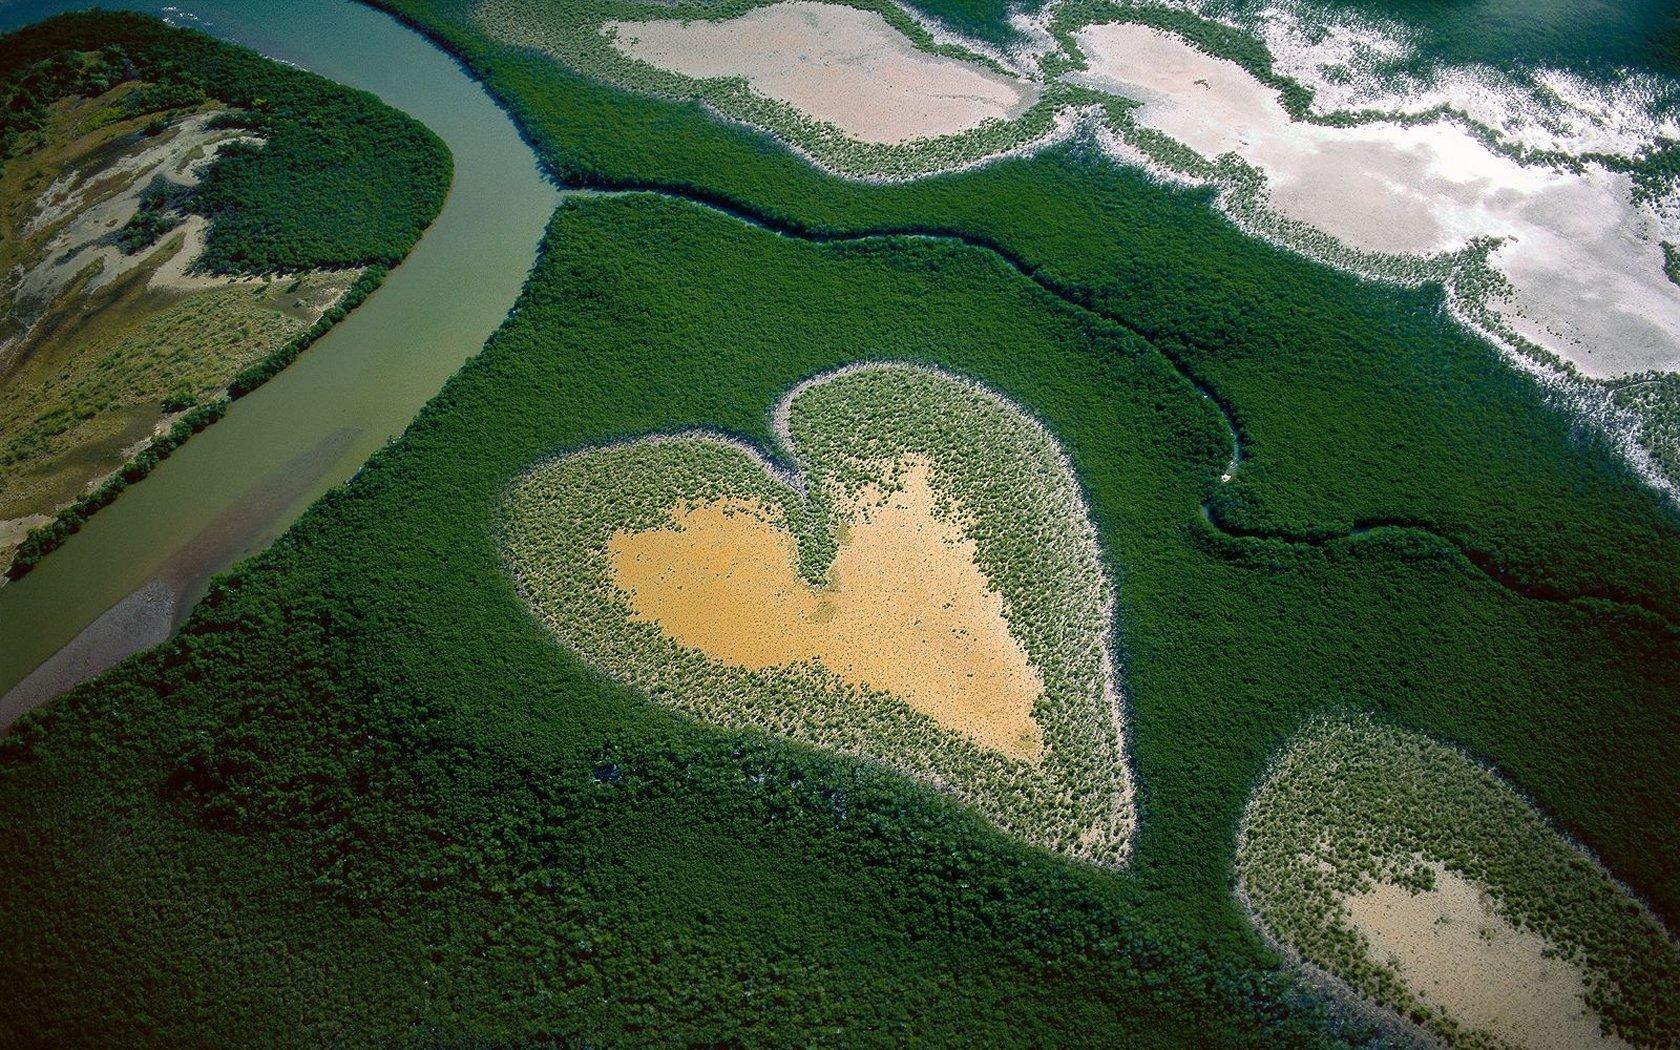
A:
(926, 593)
(905, 609)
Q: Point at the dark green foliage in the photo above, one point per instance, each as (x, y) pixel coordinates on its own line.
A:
(447, 797)
(374, 714)
(179, 399)
(986, 20)
(1574, 34)
(29, 86)
(1324, 371)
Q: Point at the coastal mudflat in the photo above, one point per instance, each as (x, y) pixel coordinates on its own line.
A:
(836, 64)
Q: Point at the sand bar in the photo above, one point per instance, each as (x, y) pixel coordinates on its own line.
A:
(836, 64)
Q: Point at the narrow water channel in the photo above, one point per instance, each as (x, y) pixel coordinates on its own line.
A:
(130, 576)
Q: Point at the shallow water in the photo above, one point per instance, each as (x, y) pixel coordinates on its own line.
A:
(312, 426)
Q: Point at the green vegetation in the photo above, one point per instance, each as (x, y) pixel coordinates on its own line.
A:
(325, 185)
(445, 796)
(1350, 802)
(1655, 401)
(365, 798)
(1034, 543)
(571, 32)
(1574, 34)
(984, 20)
(366, 745)
(1318, 367)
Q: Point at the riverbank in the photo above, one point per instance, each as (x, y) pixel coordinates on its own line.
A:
(370, 373)
(169, 245)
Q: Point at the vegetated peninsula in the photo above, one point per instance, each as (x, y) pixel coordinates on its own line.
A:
(179, 218)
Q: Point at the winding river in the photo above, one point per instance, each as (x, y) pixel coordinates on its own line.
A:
(131, 575)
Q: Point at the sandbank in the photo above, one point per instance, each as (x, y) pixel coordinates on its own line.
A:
(145, 618)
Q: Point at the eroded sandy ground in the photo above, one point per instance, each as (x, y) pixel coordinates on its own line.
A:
(82, 208)
(1585, 264)
(835, 64)
(906, 611)
(1454, 949)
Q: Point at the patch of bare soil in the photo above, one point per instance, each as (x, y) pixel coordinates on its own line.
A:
(1459, 954)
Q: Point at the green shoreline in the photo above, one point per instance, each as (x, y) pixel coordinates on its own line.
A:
(42, 540)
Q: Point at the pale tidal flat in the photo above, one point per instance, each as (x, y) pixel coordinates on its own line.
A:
(1584, 263)
(80, 217)
(835, 64)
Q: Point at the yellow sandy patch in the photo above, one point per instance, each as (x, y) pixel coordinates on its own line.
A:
(906, 609)
(1457, 953)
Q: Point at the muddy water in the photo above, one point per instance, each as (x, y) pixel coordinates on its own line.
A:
(234, 488)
